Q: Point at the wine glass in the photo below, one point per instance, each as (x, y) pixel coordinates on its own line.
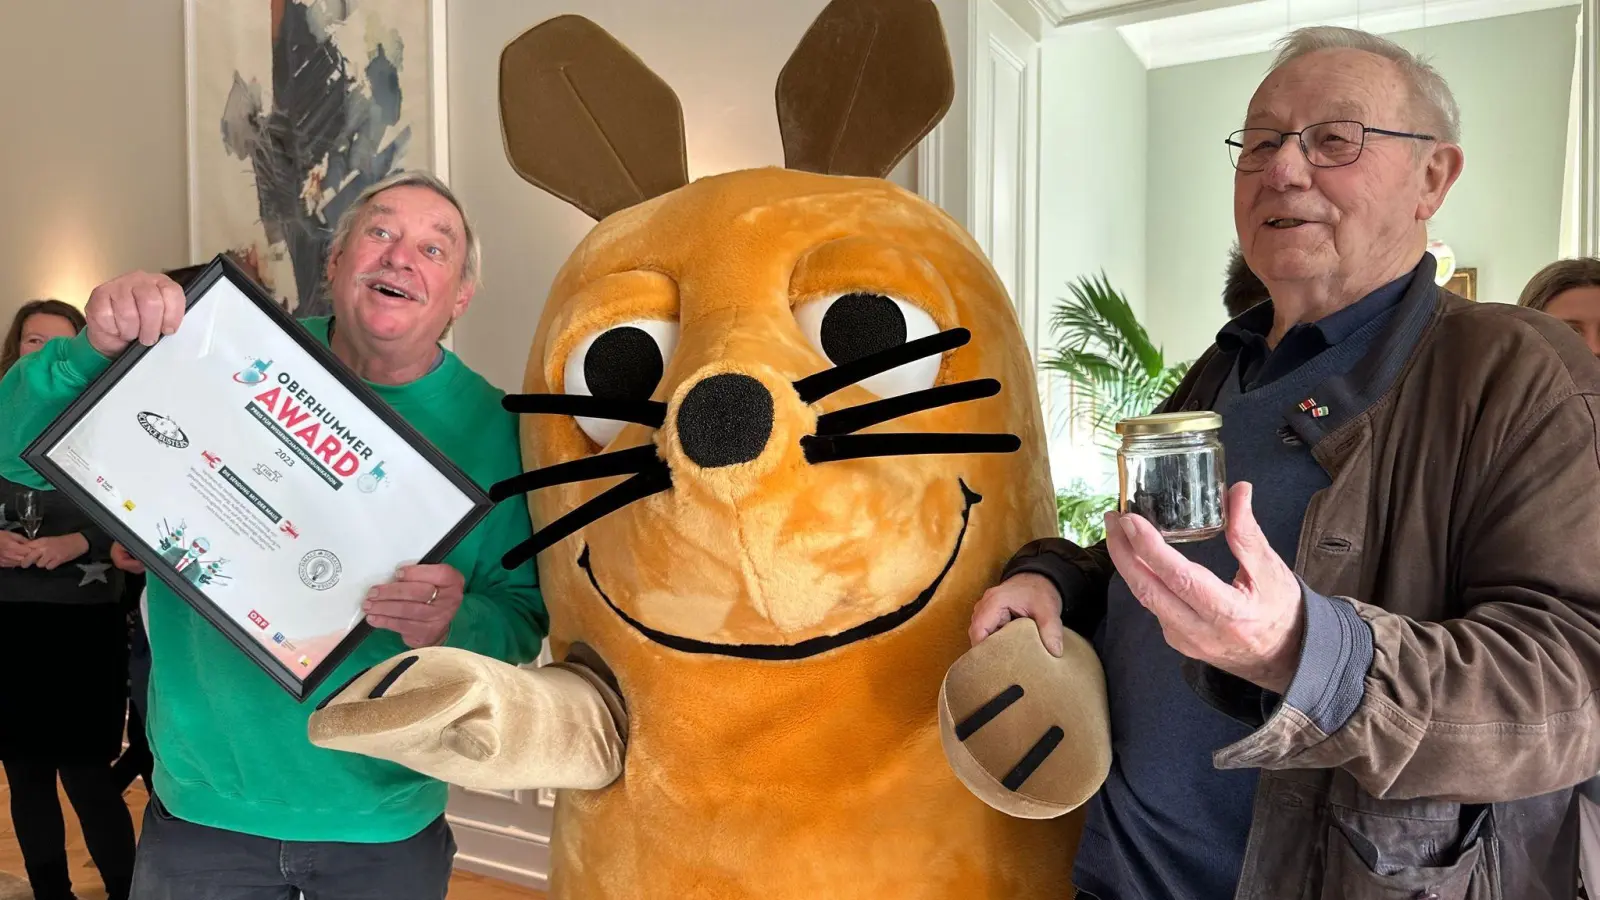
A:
(29, 513)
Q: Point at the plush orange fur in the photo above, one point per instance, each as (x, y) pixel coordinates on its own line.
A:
(821, 777)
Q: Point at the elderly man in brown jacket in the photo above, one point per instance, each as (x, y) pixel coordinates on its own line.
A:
(1380, 683)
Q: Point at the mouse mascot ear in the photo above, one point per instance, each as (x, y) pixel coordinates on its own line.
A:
(586, 120)
(868, 81)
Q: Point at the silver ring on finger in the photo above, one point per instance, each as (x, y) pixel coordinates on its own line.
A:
(434, 596)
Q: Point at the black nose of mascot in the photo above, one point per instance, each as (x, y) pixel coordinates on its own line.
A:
(725, 420)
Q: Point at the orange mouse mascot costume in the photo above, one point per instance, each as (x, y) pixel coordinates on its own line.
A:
(782, 432)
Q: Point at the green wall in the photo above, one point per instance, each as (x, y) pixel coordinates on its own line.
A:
(1511, 76)
(1092, 171)
(1092, 165)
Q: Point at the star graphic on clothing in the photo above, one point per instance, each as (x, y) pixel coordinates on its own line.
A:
(93, 572)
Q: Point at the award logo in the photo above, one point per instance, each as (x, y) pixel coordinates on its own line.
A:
(370, 482)
(310, 430)
(255, 373)
(319, 570)
(163, 429)
(109, 488)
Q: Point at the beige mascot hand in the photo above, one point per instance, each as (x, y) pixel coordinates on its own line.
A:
(480, 723)
(1026, 732)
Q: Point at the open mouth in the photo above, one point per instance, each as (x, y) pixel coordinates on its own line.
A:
(389, 290)
(811, 646)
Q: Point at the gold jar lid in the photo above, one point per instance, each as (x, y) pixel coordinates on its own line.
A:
(1170, 423)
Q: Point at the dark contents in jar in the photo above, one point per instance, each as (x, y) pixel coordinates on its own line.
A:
(1179, 493)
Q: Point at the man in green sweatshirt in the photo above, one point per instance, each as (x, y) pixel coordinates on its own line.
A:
(246, 807)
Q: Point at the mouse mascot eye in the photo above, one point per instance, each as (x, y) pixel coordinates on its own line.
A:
(780, 432)
(854, 326)
(623, 362)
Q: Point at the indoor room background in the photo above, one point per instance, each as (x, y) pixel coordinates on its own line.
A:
(1086, 136)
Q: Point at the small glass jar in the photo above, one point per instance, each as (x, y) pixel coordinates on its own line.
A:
(1170, 471)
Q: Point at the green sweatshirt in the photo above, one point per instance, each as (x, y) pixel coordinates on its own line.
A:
(230, 745)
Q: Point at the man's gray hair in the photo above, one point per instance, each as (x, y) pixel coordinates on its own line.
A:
(1428, 87)
(471, 267)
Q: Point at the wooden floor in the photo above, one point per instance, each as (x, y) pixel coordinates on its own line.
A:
(86, 882)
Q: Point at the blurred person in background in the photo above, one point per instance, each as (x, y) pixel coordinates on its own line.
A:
(64, 675)
(1569, 289)
(37, 322)
(1243, 289)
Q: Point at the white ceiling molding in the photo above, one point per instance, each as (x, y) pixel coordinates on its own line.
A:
(1254, 27)
(1028, 16)
(1052, 10)
(1061, 14)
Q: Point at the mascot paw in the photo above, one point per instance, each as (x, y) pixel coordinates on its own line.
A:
(1026, 732)
(477, 722)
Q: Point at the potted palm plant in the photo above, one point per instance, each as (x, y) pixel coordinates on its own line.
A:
(1103, 350)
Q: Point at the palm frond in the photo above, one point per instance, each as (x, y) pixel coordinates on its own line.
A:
(1080, 513)
(1084, 367)
(1109, 357)
(1098, 314)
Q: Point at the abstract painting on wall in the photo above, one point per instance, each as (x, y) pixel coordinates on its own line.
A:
(295, 107)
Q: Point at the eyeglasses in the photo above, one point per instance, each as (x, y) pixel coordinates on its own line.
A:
(1327, 145)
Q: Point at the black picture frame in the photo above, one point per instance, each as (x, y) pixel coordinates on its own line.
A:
(221, 268)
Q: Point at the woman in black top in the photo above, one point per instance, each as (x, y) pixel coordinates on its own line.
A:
(63, 675)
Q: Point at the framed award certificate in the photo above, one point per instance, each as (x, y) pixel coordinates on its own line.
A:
(255, 475)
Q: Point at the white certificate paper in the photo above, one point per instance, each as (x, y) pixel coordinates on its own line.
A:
(260, 484)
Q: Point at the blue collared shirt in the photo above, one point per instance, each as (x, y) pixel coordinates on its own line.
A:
(1261, 365)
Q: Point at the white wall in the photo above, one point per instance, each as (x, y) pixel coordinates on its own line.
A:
(722, 57)
(92, 162)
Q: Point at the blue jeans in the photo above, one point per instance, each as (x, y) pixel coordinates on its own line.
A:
(180, 860)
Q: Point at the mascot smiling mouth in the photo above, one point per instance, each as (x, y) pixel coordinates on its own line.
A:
(811, 646)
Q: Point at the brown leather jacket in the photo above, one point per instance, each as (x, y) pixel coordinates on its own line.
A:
(1463, 524)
